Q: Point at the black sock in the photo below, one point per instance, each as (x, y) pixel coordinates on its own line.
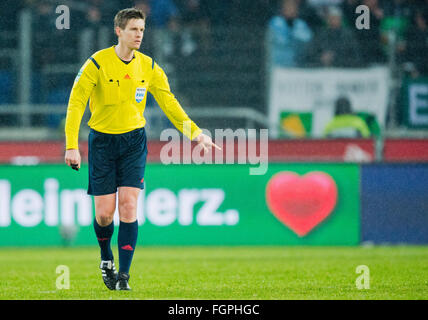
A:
(104, 236)
(126, 241)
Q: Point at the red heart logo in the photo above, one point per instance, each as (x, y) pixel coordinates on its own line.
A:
(301, 203)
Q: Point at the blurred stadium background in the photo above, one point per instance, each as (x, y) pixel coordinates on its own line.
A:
(290, 68)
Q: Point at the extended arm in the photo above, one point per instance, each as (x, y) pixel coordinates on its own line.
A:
(80, 93)
(160, 89)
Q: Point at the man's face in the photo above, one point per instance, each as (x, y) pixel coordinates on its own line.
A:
(290, 10)
(132, 35)
(335, 21)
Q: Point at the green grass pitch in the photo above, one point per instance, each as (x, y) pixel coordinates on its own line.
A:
(239, 273)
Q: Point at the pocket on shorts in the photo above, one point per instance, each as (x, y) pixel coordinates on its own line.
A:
(135, 141)
(99, 140)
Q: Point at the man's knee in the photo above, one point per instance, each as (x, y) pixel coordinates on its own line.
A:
(104, 211)
(128, 207)
(128, 199)
(104, 218)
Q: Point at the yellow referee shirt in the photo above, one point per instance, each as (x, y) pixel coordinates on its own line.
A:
(117, 94)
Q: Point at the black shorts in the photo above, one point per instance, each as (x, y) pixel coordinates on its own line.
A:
(116, 160)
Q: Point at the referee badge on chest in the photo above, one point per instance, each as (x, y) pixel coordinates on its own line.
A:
(139, 94)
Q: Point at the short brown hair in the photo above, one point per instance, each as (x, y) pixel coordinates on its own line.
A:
(123, 16)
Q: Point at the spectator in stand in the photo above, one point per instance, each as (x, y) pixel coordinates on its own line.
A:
(321, 7)
(370, 40)
(93, 16)
(163, 19)
(196, 28)
(192, 14)
(164, 14)
(288, 35)
(348, 10)
(397, 17)
(44, 43)
(145, 6)
(100, 12)
(333, 46)
(415, 47)
(310, 15)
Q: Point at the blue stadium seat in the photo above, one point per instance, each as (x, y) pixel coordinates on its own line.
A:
(36, 88)
(6, 87)
(57, 96)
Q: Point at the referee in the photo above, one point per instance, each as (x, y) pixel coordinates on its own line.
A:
(116, 81)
